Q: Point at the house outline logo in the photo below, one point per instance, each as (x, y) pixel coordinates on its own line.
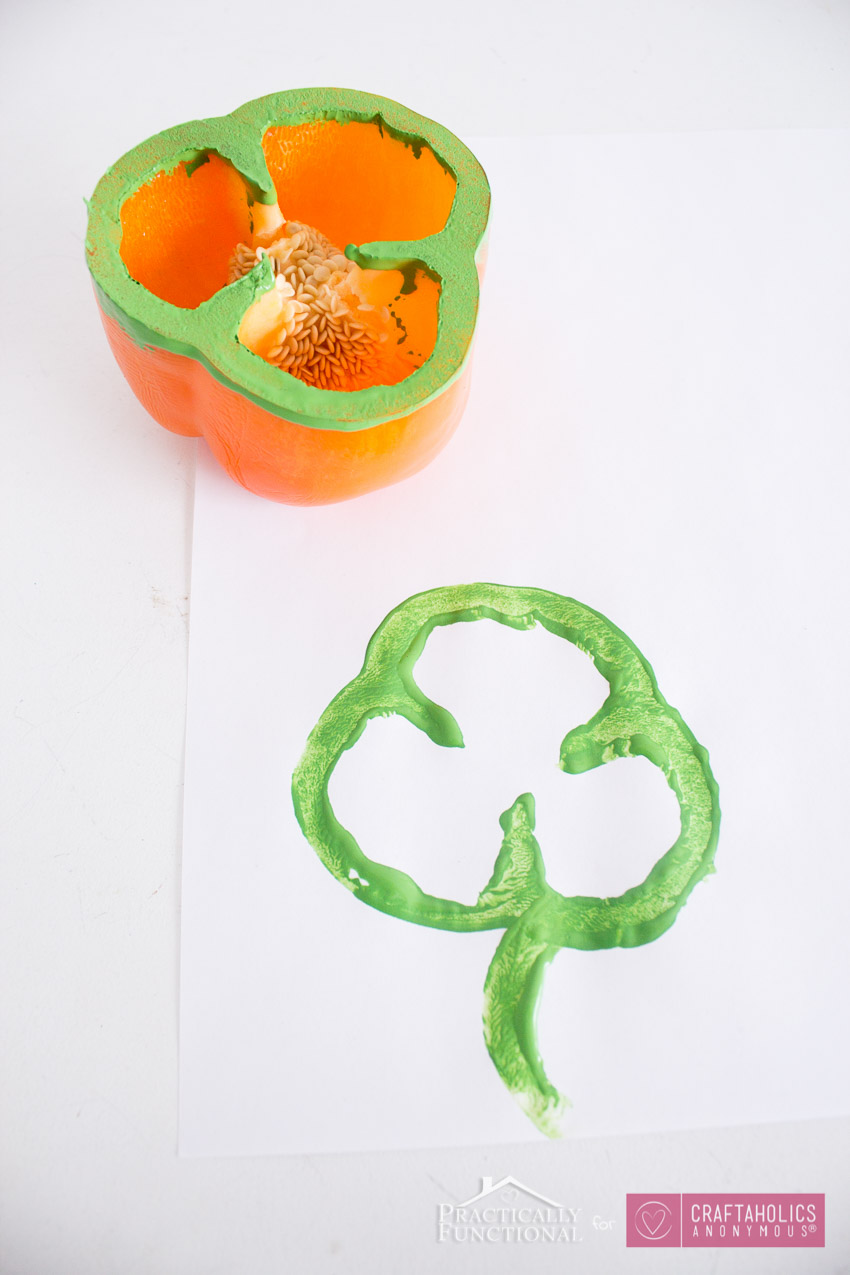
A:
(509, 1184)
(507, 1212)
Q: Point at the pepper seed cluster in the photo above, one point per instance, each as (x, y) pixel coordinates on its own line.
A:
(325, 333)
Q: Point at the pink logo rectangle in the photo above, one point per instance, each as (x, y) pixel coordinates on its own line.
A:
(749, 1220)
(653, 1221)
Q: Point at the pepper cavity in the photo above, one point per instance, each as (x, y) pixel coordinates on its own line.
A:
(317, 323)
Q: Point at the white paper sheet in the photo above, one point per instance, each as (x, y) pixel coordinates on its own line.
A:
(657, 427)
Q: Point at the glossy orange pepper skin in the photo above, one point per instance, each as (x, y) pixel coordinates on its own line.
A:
(273, 457)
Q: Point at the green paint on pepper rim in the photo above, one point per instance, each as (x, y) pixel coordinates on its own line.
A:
(208, 333)
(634, 720)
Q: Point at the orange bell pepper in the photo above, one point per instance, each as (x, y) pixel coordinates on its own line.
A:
(406, 200)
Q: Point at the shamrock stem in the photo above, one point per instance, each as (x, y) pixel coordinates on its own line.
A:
(511, 997)
(515, 977)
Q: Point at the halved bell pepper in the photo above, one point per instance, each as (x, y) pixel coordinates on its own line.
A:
(406, 201)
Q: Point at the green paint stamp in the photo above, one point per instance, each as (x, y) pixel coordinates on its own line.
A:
(634, 720)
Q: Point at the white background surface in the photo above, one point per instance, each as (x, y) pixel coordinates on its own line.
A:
(639, 448)
(97, 506)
